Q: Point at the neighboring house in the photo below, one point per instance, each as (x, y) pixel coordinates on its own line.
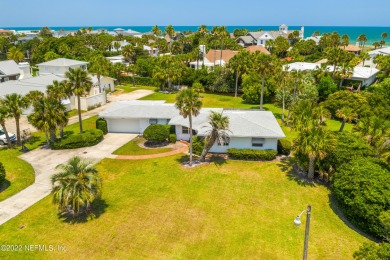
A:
(25, 70)
(121, 45)
(128, 32)
(213, 57)
(248, 129)
(383, 51)
(246, 41)
(351, 48)
(9, 70)
(151, 50)
(259, 48)
(365, 75)
(60, 66)
(117, 59)
(62, 33)
(314, 38)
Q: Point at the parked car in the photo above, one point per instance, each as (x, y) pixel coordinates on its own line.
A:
(3, 138)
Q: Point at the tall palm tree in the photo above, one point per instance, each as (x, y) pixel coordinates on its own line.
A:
(222, 34)
(239, 65)
(129, 53)
(362, 39)
(345, 72)
(384, 36)
(347, 114)
(157, 32)
(78, 83)
(345, 40)
(15, 54)
(335, 56)
(99, 66)
(203, 32)
(364, 56)
(169, 30)
(59, 91)
(189, 103)
(15, 104)
(75, 187)
(263, 66)
(4, 114)
(219, 132)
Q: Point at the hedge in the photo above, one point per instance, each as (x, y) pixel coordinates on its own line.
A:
(284, 147)
(172, 138)
(102, 125)
(145, 81)
(2, 174)
(197, 145)
(250, 154)
(156, 133)
(88, 138)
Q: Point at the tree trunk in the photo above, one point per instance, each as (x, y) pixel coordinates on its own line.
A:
(295, 90)
(53, 136)
(283, 106)
(47, 139)
(341, 82)
(342, 125)
(207, 147)
(203, 51)
(334, 70)
(220, 61)
(310, 173)
(262, 93)
(79, 112)
(18, 130)
(6, 135)
(236, 90)
(61, 131)
(190, 120)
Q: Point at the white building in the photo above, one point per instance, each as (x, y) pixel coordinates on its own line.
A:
(249, 129)
(60, 66)
(383, 51)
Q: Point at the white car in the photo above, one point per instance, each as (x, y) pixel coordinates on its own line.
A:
(3, 138)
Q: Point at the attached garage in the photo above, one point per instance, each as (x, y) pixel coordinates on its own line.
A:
(124, 126)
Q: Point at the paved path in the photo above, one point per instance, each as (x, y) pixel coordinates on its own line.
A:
(183, 149)
(44, 162)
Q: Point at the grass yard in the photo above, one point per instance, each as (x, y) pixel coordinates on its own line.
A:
(157, 209)
(19, 174)
(133, 148)
(75, 112)
(127, 88)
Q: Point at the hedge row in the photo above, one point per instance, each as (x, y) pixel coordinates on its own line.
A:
(250, 154)
(102, 125)
(284, 147)
(88, 138)
(139, 80)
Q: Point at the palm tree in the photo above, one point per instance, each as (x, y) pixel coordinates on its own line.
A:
(169, 30)
(4, 114)
(189, 103)
(99, 66)
(239, 64)
(76, 187)
(364, 56)
(362, 39)
(157, 32)
(15, 104)
(15, 54)
(219, 132)
(117, 45)
(59, 91)
(129, 53)
(347, 114)
(335, 56)
(345, 40)
(345, 72)
(384, 36)
(376, 45)
(264, 66)
(78, 83)
(203, 32)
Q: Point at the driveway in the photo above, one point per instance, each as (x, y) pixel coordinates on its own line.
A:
(44, 162)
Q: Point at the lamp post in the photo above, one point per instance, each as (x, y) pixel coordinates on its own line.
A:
(297, 222)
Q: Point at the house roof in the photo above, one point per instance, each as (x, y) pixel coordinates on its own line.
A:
(301, 66)
(259, 48)
(140, 109)
(9, 67)
(246, 39)
(62, 62)
(364, 72)
(216, 55)
(383, 51)
(350, 48)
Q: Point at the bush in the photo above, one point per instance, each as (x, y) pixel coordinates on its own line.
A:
(156, 133)
(362, 190)
(145, 81)
(172, 138)
(88, 138)
(250, 154)
(284, 147)
(101, 124)
(2, 174)
(197, 145)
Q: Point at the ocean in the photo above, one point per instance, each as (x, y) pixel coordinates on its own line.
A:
(373, 33)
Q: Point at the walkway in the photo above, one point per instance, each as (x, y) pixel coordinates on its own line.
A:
(183, 149)
(44, 162)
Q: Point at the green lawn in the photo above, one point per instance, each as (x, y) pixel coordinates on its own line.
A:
(74, 112)
(129, 87)
(158, 209)
(133, 148)
(19, 174)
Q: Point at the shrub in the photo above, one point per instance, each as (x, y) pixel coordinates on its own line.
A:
(197, 145)
(284, 147)
(362, 190)
(250, 154)
(172, 138)
(88, 138)
(2, 174)
(156, 133)
(101, 124)
(145, 81)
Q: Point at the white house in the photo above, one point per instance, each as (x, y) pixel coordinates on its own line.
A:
(249, 129)
(383, 51)
(151, 50)
(60, 66)
(120, 46)
(9, 70)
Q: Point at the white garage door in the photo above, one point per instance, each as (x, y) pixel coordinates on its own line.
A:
(123, 126)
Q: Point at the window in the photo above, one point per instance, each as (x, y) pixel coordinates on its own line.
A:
(258, 142)
(185, 130)
(224, 142)
(153, 121)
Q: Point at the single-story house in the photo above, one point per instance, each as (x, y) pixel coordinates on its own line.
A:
(248, 129)
(9, 70)
(383, 51)
(351, 48)
(60, 66)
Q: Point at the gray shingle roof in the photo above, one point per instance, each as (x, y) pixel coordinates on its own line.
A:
(9, 67)
(63, 62)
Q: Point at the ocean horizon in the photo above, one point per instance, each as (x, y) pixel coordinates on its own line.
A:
(373, 33)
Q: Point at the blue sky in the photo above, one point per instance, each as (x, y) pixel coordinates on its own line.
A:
(196, 12)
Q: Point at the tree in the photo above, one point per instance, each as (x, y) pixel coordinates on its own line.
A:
(4, 115)
(45, 32)
(75, 187)
(51, 55)
(219, 132)
(99, 66)
(168, 69)
(15, 104)
(362, 39)
(384, 36)
(264, 66)
(383, 63)
(189, 103)
(129, 53)
(347, 115)
(376, 45)
(157, 32)
(280, 46)
(15, 54)
(373, 251)
(335, 56)
(203, 31)
(169, 30)
(364, 56)
(326, 86)
(78, 83)
(345, 40)
(59, 91)
(239, 64)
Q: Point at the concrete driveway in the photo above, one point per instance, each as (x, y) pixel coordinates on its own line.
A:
(44, 162)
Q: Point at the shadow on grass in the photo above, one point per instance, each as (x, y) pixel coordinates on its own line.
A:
(333, 205)
(5, 185)
(287, 165)
(218, 160)
(98, 207)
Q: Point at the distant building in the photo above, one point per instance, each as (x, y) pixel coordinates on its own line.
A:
(60, 66)
(383, 51)
(9, 70)
(351, 48)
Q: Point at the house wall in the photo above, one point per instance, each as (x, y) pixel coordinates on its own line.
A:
(179, 135)
(107, 83)
(89, 101)
(366, 82)
(244, 143)
(57, 70)
(127, 125)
